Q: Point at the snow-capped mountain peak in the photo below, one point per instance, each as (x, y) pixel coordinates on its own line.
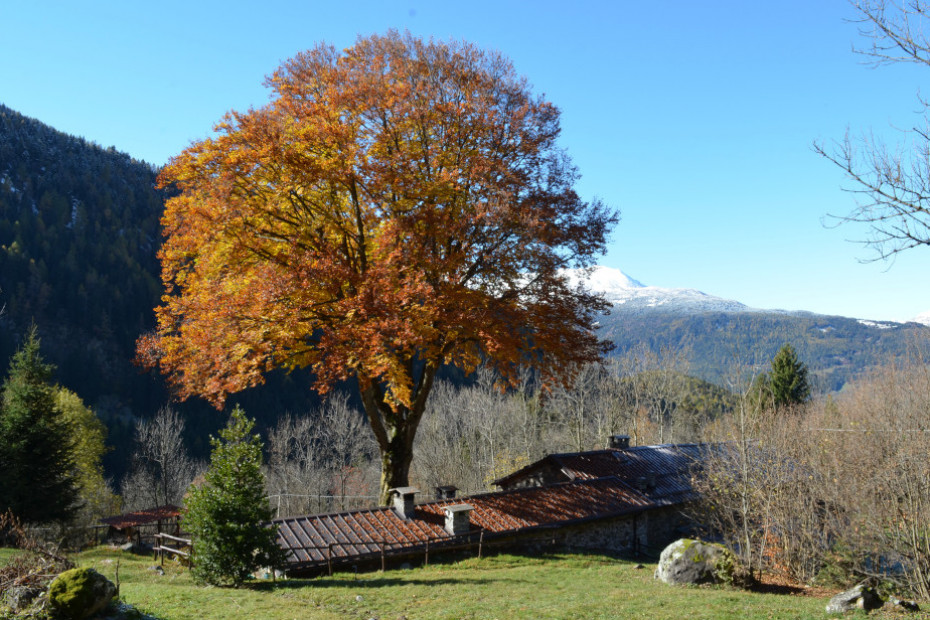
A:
(923, 318)
(622, 290)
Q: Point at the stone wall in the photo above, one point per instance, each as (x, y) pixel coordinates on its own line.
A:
(645, 532)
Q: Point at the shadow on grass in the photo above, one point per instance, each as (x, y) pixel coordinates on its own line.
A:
(364, 583)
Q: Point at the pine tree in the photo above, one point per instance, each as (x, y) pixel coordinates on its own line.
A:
(227, 515)
(788, 378)
(785, 384)
(36, 469)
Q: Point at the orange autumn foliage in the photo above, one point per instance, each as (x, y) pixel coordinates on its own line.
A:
(397, 206)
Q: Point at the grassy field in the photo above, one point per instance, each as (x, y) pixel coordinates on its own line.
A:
(559, 586)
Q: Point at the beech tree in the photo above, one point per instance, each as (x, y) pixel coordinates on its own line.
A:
(397, 206)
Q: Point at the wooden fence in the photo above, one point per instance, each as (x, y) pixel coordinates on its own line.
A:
(184, 548)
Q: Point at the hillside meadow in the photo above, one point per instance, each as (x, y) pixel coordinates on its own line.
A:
(557, 586)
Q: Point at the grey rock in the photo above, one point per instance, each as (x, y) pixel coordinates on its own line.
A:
(861, 597)
(19, 598)
(687, 561)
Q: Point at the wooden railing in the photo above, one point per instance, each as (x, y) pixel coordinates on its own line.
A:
(163, 546)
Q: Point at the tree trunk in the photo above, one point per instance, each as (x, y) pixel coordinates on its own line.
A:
(395, 427)
(395, 466)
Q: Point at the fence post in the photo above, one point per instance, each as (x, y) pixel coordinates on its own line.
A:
(480, 543)
(382, 557)
(329, 558)
(426, 559)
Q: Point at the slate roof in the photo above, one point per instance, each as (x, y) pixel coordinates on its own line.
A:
(662, 472)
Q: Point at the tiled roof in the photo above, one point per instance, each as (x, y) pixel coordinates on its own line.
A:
(141, 517)
(310, 541)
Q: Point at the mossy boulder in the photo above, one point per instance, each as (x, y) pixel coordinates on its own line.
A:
(688, 561)
(80, 593)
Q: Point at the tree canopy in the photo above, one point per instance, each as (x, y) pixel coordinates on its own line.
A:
(397, 206)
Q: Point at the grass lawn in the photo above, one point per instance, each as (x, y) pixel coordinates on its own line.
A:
(559, 586)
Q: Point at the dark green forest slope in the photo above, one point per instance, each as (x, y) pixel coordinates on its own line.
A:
(79, 232)
(79, 229)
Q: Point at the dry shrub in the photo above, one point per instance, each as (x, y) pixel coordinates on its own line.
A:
(35, 566)
(846, 477)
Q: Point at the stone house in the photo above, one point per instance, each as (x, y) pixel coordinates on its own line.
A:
(625, 500)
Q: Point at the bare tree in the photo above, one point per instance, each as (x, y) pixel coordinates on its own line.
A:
(321, 461)
(879, 438)
(892, 184)
(161, 469)
(478, 433)
(653, 388)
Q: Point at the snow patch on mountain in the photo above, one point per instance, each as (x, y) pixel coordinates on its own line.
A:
(878, 324)
(923, 318)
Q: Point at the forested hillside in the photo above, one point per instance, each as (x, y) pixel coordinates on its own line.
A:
(79, 232)
(721, 345)
(79, 229)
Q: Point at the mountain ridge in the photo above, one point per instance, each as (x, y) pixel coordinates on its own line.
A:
(620, 289)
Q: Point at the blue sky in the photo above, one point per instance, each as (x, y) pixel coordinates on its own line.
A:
(695, 119)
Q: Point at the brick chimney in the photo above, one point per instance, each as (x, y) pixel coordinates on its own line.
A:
(403, 501)
(618, 442)
(457, 518)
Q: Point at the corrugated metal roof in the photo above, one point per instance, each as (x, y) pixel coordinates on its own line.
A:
(141, 517)
(313, 540)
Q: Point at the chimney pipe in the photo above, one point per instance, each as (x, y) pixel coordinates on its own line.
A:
(403, 501)
(618, 442)
(457, 518)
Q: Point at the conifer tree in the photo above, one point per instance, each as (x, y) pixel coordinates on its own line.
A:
(36, 469)
(785, 384)
(788, 378)
(228, 514)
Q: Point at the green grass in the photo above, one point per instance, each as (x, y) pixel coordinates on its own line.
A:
(562, 586)
(5, 554)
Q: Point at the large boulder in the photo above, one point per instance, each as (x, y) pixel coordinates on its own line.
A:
(687, 561)
(861, 597)
(80, 593)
